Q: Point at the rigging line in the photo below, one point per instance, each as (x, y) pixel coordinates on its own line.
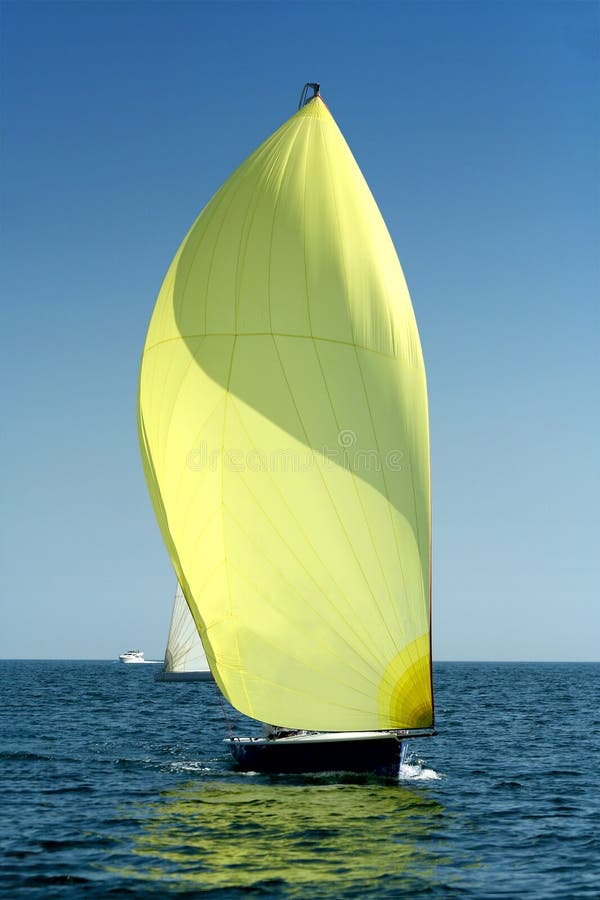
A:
(197, 620)
(358, 636)
(184, 635)
(179, 636)
(173, 622)
(304, 98)
(223, 710)
(311, 636)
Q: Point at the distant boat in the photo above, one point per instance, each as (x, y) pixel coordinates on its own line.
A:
(132, 656)
(185, 659)
(137, 657)
(284, 435)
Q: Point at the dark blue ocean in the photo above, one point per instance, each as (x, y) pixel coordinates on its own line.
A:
(113, 785)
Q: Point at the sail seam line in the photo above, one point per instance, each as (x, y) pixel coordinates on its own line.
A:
(324, 482)
(309, 542)
(229, 598)
(242, 251)
(267, 559)
(305, 266)
(298, 659)
(200, 534)
(346, 290)
(208, 213)
(282, 334)
(360, 503)
(275, 209)
(343, 706)
(165, 429)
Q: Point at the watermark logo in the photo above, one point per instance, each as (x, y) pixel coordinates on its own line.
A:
(346, 454)
(346, 438)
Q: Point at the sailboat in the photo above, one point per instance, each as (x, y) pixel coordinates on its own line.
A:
(185, 659)
(284, 435)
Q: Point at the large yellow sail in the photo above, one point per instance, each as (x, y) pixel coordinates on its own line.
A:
(284, 434)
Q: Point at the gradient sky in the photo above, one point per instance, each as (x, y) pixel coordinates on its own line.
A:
(476, 126)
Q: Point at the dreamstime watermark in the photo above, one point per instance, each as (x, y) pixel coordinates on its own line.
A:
(346, 454)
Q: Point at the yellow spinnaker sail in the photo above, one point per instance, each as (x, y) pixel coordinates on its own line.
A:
(284, 434)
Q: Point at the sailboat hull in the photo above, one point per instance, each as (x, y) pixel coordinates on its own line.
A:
(198, 675)
(377, 752)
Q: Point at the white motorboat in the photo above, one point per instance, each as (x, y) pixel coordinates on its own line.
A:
(132, 656)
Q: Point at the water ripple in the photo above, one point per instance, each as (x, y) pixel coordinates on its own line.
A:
(113, 786)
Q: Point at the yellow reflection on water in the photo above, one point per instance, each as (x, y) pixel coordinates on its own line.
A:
(322, 837)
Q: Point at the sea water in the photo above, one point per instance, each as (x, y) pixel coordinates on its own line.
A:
(115, 785)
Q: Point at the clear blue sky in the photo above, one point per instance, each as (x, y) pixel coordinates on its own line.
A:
(476, 126)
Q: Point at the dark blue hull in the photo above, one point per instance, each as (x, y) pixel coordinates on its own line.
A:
(319, 753)
(184, 676)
